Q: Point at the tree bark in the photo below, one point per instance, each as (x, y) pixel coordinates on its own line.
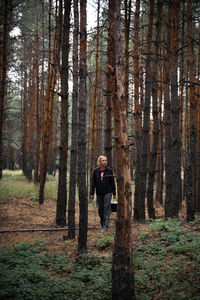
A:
(74, 140)
(6, 10)
(145, 129)
(62, 183)
(83, 201)
(137, 107)
(175, 102)
(190, 159)
(122, 264)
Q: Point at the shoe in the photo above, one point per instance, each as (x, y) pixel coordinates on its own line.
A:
(104, 229)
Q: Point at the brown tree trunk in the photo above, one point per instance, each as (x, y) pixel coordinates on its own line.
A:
(48, 103)
(122, 265)
(62, 183)
(83, 202)
(127, 38)
(74, 140)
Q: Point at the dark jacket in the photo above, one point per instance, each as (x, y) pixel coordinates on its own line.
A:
(108, 184)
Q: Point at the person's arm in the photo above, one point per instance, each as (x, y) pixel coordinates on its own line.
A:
(113, 185)
(93, 185)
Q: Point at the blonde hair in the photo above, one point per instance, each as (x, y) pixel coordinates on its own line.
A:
(99, 159)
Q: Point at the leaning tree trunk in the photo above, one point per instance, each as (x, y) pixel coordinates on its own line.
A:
(122, 264)
(83, 202)
(74, 139)
(62, 183)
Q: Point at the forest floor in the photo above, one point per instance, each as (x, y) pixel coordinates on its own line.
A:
(166, 255)
(25, 214)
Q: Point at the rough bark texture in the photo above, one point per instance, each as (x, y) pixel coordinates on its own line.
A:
(74, 140)
(83, 202)
(62, 182)
(122, 265)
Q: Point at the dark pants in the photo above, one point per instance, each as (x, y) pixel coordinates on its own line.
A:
(104, 208)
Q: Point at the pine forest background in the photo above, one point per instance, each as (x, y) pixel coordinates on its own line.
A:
(57, 98)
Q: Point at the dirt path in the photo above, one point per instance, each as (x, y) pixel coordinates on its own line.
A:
(26, 214)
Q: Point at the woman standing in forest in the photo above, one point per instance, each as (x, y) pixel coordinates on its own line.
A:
(103, 182)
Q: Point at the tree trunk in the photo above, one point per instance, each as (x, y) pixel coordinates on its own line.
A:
(153, 153)
(37, 120)
(167, 117)
(83, 202)
(94, 104)
(108, 106)
(175, 102)
(4, 29)
(137, 108)
(74, 140)
(191, 160)
(62, 183)
(145, 129)
(122, 264)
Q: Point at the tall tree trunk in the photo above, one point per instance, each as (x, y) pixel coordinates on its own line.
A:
(108, 106)
(175, 102)
(191, 161)
(6, 9)
(48, 102)
(137, 107)
(167, 118)
(145, 129)
(153, 152)
(74, 140)
(122, 264)
(62, 183)
(83, 201)
(37, 120)
(127, 21)
(94, 105)
(197, 204)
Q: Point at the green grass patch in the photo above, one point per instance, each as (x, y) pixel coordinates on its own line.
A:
(14, 184)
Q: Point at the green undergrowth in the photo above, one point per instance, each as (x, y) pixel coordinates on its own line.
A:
(166, 259)
(14, 184)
